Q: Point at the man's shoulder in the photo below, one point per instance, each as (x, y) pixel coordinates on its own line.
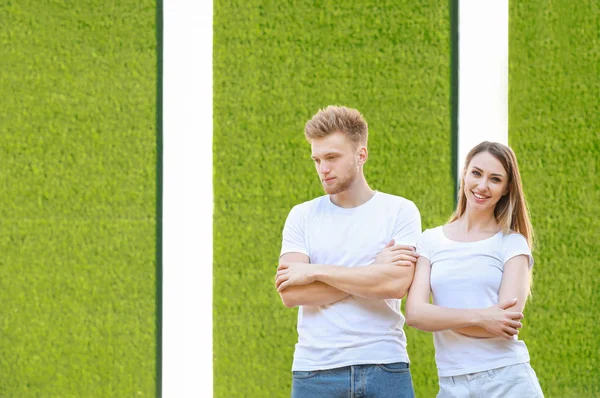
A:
(306, 206)
(397, 201)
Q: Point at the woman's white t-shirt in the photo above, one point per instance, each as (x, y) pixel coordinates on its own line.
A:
(468, 275)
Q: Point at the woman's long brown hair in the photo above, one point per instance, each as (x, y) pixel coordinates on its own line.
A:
(511, 210)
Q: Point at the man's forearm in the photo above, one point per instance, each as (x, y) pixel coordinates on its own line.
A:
(376, 281)
(316, 293)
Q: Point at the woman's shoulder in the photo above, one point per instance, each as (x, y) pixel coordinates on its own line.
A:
(511, 236)
(432, 233)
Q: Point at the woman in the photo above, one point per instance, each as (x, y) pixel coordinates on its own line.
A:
(478, 269)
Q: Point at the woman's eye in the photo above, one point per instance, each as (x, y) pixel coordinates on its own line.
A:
(475, 173)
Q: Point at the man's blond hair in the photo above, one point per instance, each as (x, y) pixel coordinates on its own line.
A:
(338, 119)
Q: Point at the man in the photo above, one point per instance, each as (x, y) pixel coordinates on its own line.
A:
(347, 259)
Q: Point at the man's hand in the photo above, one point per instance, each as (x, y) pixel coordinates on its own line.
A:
(397, 255)
(501, 322)
(294, 274)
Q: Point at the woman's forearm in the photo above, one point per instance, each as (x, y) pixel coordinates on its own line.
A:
(432, 318)
(475, 331)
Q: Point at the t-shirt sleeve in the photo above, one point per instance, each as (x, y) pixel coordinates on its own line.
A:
(514, 245)
(423, 246)
(408, 225)
(293, 232)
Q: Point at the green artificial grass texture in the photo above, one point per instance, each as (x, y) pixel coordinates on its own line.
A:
(275, 65)
(78, 150)
(78, 177)
(555, 130)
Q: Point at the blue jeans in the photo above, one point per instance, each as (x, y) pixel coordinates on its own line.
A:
(391, 380)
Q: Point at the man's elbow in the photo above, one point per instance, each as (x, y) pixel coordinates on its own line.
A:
(390, 291)
(398, 292)
(400, 285)
(288, 299)
(398, 289)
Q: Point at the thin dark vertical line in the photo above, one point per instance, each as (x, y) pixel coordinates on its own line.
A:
(454, 65)
(214, 94)
(159, 191)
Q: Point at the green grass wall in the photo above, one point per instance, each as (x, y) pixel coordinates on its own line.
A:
(77, 220)
(554, 114)
(275, 65)
(78, 161)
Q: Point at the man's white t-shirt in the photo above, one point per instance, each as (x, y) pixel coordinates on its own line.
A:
(353, 330)
(468, 275)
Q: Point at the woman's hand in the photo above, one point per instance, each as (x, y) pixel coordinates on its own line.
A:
(498, 320)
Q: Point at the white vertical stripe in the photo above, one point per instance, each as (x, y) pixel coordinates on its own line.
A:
(187, 199)
(483, 74)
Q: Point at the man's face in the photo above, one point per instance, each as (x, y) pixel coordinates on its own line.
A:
(337, 162)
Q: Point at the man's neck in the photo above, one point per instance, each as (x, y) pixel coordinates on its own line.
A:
(357, 194)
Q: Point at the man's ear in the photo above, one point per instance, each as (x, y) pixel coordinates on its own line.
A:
(363, 155)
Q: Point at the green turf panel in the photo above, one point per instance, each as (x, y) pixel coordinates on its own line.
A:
(275, 65)
(555, 131)
(77, 220)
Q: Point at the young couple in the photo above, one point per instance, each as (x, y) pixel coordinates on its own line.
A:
(348, 257)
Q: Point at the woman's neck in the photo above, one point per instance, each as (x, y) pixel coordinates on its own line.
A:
(477, 221)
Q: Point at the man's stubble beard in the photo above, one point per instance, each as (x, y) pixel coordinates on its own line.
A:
(341, 186)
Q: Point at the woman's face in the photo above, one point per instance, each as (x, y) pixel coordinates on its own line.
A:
(485, 181)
